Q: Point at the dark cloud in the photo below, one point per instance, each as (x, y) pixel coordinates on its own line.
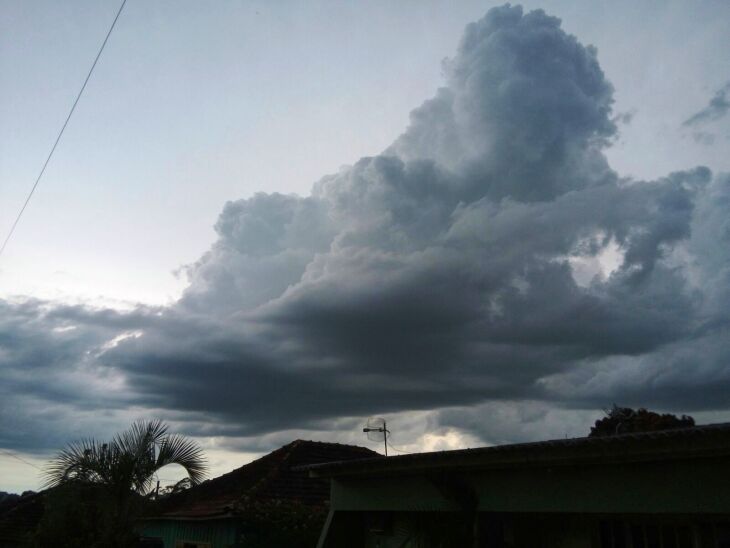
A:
(704, 138)
(625, 118)
(717, 108)
(51, 383)
(489, 259)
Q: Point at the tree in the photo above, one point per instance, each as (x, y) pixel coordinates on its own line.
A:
(79, 514)
(624, 420)
(118, 476)
(182, 485)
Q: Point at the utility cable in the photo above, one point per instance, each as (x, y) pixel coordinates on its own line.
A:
(399, 450)
(63, 128)
(13, 455)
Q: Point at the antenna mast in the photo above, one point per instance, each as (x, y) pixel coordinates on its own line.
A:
(379, 426)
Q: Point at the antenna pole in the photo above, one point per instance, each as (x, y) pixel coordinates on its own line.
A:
(382, 429)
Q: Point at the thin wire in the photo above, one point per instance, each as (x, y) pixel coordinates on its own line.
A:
(399, 450)
(9, 454)
(63, 128)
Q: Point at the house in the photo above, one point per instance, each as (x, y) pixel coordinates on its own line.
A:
(269, 502)
(666, 489)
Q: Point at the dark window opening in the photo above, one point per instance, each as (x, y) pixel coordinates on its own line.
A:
(629, 534)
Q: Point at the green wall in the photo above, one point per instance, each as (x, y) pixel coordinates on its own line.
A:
(397, 493)
(680, 487)
(560, 506)
(220, 533)
(690, 487)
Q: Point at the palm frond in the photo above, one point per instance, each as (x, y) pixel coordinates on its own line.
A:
(176, 449)
(86, 460)
(141, 436)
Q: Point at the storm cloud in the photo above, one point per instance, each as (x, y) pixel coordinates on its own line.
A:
(489, 260)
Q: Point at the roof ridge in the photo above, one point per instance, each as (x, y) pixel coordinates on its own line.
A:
(586, 439)
(319, 442)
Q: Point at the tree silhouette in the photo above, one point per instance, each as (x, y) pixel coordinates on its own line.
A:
(624, 420)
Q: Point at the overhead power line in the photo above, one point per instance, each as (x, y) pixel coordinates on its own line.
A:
(399, 450)
(63, 128)
(21, 459)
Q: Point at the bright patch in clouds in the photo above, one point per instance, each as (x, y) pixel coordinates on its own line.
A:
(587, 267)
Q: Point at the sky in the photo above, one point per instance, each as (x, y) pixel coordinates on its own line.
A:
(270, 221)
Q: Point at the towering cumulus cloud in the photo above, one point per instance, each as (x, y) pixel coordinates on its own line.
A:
(489, 259)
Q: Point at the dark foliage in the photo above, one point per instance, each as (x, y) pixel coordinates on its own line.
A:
(7, 500)
(624, 420)
(19, 517)
(78, 514)
(182, 485)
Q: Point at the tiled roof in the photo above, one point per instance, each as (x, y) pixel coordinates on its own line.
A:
(278, 476)
(693, 442)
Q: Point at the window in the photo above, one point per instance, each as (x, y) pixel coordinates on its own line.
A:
(150, 542)
(192, 544)
(716, 535)
(626, 534)
(379, 522)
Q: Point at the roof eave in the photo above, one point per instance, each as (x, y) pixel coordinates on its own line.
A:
(711, 443)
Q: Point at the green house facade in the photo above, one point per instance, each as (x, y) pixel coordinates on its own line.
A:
(191, 533)
(667, 489)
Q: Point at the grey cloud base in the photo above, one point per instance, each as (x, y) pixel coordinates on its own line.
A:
(489, 257)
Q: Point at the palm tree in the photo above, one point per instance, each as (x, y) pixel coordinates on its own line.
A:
(130, 461)
(123, 470)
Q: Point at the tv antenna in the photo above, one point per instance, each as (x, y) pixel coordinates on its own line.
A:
(376, 430)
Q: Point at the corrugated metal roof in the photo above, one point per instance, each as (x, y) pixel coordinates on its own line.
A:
(278, 476)
(697, 441)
